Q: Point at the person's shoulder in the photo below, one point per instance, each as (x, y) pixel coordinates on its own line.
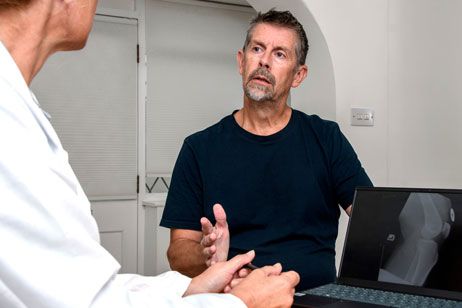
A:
(209, 134)
(317, 124)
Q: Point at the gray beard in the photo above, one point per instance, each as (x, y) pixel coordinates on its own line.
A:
(258, 93)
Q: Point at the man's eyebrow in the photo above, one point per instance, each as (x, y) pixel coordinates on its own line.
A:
(283, 48)
(256, 42)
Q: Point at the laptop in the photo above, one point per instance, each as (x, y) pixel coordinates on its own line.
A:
(403, 249)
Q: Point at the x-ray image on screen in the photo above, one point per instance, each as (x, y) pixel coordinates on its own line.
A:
(425, 223)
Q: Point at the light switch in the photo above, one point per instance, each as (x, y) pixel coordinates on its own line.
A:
(362, 117)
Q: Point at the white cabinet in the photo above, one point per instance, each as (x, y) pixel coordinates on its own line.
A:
(156, 238)
(117, 223)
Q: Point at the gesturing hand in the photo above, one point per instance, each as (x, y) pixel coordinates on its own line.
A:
(215, 239)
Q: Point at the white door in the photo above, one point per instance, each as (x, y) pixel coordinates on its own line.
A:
(92, 98)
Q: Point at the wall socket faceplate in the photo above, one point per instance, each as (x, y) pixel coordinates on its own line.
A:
(362, 117)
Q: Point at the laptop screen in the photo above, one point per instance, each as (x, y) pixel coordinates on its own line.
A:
(407, 240)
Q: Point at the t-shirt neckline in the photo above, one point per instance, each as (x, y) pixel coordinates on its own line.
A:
(285, 131)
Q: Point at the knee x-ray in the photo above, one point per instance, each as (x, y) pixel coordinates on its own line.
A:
(405, 237)
(425, 222)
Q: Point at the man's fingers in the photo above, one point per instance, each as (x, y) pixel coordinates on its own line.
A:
(209, 251)
(208, 240)
(207, 226)
(220, 215)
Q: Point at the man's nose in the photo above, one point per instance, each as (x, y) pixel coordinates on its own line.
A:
(265, 60)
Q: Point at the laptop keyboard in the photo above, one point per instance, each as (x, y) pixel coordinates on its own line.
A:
(386, 298)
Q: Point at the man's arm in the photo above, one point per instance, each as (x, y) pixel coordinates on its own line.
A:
(185, 253)
(191, 252)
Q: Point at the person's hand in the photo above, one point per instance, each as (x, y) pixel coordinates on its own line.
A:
(215, 239)
(267, 287)
(238, 277)
(218, 276)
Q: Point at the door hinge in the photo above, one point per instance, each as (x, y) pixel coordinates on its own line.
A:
(137, 53)
(137, 184)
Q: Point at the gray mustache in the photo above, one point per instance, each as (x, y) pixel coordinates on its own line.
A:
(261, 71)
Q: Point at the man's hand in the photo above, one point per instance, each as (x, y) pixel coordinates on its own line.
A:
(218, 276)
(191, 252)
(215, 239)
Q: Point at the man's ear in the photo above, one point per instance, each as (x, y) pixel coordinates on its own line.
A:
(240, 60)
(300, 75)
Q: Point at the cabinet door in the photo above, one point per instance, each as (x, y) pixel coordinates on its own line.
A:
(156, 242)
(162, 243)
(118, 229)
(91, 96)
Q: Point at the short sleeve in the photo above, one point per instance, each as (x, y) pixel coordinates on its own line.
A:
(346, 170)
(183, 208)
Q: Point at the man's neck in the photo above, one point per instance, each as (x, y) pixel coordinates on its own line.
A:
(263, 118)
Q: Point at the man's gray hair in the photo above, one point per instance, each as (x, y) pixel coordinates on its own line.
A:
(283, 19)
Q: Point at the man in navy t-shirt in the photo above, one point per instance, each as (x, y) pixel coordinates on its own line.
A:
(266, 177)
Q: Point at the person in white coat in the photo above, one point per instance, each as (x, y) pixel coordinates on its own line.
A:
(51, 255)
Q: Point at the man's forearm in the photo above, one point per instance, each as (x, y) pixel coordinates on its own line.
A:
(185, 256)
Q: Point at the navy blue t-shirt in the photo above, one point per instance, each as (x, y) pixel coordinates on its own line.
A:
(280, 192)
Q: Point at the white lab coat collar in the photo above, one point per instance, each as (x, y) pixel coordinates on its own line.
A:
(10, 72)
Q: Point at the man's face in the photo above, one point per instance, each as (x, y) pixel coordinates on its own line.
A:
(269, 66)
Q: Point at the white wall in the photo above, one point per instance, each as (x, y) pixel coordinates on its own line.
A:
(401, 58)
(425, 105)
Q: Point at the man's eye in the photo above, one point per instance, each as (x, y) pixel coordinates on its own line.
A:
(256, 48)
(280, 55)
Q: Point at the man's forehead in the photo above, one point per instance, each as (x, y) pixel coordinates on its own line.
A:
(275, 35)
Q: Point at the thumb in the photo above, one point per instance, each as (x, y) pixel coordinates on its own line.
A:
(220, 214)
(236, 263)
